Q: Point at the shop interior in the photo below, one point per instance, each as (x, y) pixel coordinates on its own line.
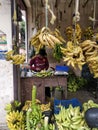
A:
(68, 31)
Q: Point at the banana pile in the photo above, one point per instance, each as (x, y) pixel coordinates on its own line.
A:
(70, 33)
(89, 104)
(70, 119)
(28, 103)
(73, 55)
(43, 73)
(16, 59)
(45, 107)
(90, 51)
(45, 37)
(15, 120)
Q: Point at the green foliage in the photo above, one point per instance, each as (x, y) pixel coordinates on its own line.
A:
(57, 54)
(75, 83)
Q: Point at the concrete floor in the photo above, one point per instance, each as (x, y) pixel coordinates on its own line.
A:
(3, 127)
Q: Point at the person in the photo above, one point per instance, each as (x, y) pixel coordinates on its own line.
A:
(39, 62)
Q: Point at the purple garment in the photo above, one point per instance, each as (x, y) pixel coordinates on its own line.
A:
(39, 63)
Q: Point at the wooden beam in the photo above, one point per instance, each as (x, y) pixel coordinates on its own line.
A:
(85, 3)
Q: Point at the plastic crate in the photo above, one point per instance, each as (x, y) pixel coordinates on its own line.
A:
(75, 102)
(61, 68)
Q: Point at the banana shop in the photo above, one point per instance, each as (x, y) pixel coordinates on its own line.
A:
(60, 91)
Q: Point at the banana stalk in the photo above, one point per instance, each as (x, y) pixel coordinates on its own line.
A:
(33, 96)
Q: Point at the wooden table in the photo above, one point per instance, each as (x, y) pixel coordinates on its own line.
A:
(26, 84)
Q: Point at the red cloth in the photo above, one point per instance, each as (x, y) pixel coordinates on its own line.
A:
(39, 63)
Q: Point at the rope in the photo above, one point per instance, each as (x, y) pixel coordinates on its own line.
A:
(46, 13)
(76, 18)
(94, 15)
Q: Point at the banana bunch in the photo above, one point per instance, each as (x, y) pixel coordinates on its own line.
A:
(58, 35)
(8, 55)
(51, 126)
(90, 51)
(70, 33)
(33, 117)
(15, 120)
(45, 107)
(15, 58)
(45, 37)
(88, 33)
(44, 73)
(8, 107)
(13, 106)
(89, 104)
(70, 119)
(73, 55)
(28, 103)
(33, 114)
(18, 59)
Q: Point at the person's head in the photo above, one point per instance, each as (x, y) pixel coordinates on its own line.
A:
(42, 52)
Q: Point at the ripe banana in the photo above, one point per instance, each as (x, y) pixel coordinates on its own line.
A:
(8, 55)
(50, 42)
(45, 37)
(15, 120)
(56, 40)
(18, 59)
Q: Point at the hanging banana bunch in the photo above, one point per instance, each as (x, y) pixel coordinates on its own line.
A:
(73, 55)
(70, 31)
(90, 51)
(45, 37)
(8, 55)
(16, 59)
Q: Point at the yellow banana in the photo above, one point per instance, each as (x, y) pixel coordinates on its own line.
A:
(42, 39)
(51, 42)
(9, 52)
(56, 40)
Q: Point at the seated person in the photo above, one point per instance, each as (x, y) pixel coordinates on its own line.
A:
(39, 62)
